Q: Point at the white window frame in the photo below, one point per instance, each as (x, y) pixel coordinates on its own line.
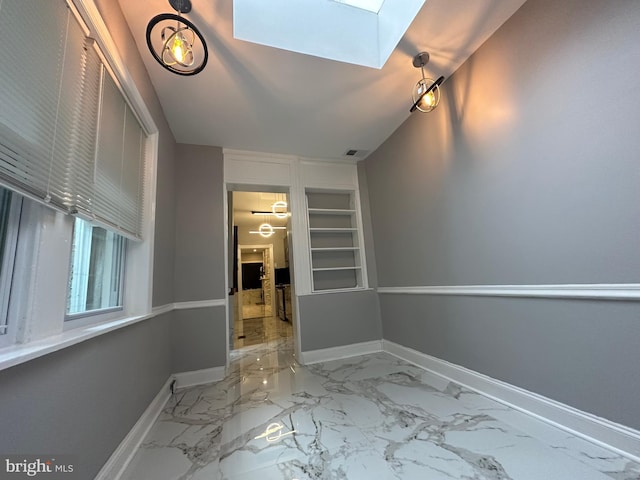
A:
(7, 327)
(70, 317)
(39, 293)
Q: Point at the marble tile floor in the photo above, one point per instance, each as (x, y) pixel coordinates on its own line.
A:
(254, 331)
(372, 417)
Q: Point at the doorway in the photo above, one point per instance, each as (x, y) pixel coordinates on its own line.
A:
(260, 268)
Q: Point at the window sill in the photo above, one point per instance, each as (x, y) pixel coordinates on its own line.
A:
(21, 353)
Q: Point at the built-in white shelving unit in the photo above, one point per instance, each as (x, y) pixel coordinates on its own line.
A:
(334, 239)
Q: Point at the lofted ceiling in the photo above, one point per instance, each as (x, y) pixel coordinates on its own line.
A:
(258, 98)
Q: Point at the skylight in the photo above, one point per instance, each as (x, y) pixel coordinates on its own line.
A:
(373, 6)
(365, 35)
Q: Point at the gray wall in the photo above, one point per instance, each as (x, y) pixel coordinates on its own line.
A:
(165, 227)
(198, 335)
(580, 352)
(197, 339)
(84, 399)
(336, 319)
(199, 256)
(527, 173)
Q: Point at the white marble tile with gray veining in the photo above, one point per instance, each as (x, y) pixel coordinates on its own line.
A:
(370, 417)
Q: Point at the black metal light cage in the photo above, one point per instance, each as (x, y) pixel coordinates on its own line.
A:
(435, 84)
(172, 16)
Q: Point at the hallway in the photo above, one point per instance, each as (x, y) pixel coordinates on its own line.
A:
(253, 331)
(372, 417)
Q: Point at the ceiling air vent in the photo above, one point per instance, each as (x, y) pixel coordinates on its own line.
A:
(356, 153)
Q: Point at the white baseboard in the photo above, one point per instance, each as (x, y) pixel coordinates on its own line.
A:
(608, 434)
(199, 377)
(338, 353)
(120, 458)
(122, 455)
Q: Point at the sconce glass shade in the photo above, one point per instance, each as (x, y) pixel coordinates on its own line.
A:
(279, 209)
(177, 44)
(425, 98)
(266, 230)
(426, 94)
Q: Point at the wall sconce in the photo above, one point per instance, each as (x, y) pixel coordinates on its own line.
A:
(175, 42)
(426, 93)
(279, 209)
(266, 230)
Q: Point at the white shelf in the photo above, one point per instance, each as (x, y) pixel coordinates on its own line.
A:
(334, 230)
(333, 269)
(331, 211)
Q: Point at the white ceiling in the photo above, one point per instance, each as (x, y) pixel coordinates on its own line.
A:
(258, 98)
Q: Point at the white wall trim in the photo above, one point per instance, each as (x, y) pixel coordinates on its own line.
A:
(233, 154)
(598, 291)
(162, 309)
(199, 377)
(608, 434)
(122, 455)
(337, 291)
(338, 353)
(218, 302)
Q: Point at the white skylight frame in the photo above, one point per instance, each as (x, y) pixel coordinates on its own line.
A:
(372, 6)
(326, 28)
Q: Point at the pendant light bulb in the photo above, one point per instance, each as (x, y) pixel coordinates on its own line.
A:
(177, 47)
(425, 102)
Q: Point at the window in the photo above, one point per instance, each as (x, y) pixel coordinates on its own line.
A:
(10, 206)
(97, 270)
(78, 153)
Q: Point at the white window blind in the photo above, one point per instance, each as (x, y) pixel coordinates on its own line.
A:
(119, 164)
(49, 86)
(67, 135)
